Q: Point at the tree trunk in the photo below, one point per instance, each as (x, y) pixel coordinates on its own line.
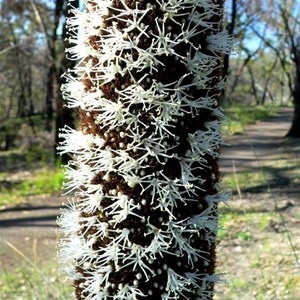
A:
(50, 95)
(295, 127)
(64, 115)
(7, 141)
(53, 76)
(230, 28)
(253, 86)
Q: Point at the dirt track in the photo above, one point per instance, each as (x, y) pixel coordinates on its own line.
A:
(258, 143)
(31, 226)
(263, 148)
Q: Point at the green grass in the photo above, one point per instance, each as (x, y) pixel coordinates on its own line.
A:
(243, 179)
(241, 116)
(38, 182)
(257, 258)
(27, 280)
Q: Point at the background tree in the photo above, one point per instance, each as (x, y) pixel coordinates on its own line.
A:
(22, 65)
(277, 25)
(32, 61)
(64, 115)
(58, 64)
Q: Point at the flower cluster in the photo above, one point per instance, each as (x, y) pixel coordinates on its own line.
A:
(143, 219)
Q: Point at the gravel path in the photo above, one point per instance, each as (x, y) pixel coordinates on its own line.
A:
(260, 247)
(260, 141)
(31, 227)
(264, 149)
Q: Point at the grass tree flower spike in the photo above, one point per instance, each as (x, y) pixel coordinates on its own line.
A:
(143, 219)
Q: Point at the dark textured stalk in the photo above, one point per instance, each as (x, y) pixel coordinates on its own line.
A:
(144, 219)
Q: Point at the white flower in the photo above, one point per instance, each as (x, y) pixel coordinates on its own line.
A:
(216, 198)
(98, 278)
(77, 174)
(109, 255)
(69, 221)
(137, 259)
(221, 42)
(122, 239)
(203, 221)
(178, 230)
(137, 16)
(82, 145)
(102, 228)
(90, 202)
(128, 292)
(73, 92)
(120, 209)
(71, 247)
(177, 285)
(124, 162)
(205, 142)
(160, 243)
(122, 174)
(103, 160)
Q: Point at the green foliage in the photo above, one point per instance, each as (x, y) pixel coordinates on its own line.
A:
(42, 181)
(47, 182)
(28, 280)
(245, 236)
(243, 179)
(254, 241)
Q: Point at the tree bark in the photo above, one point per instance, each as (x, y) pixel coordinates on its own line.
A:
(294, 131)
(253, 86)
(230, 28)
(50, 95)
(53, 76)
(64, 115)
(295, 127)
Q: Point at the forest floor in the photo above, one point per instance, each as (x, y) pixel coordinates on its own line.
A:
(259, 246)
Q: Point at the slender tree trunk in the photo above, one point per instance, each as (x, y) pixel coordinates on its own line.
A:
(230, 28)
(53, 73)
(7, 141)
(266, 86)
(50, 95)
(64, 115)
(21, 106)
(30, 100)
(253, 86)
(295, 127)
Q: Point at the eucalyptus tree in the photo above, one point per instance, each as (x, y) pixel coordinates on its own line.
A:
(22, 65)
(282, 20)
(19, 46)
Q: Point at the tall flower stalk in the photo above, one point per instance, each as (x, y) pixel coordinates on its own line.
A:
(143, 219)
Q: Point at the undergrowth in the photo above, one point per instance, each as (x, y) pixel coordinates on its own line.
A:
(240, 116)
(256, 255)
(25, 279)
(253, 236)
(36, 182)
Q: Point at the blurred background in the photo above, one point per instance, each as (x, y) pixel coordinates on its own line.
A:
(32, 60)
(259, 243)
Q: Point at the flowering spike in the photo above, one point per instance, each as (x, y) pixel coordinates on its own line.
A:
(143, 218)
